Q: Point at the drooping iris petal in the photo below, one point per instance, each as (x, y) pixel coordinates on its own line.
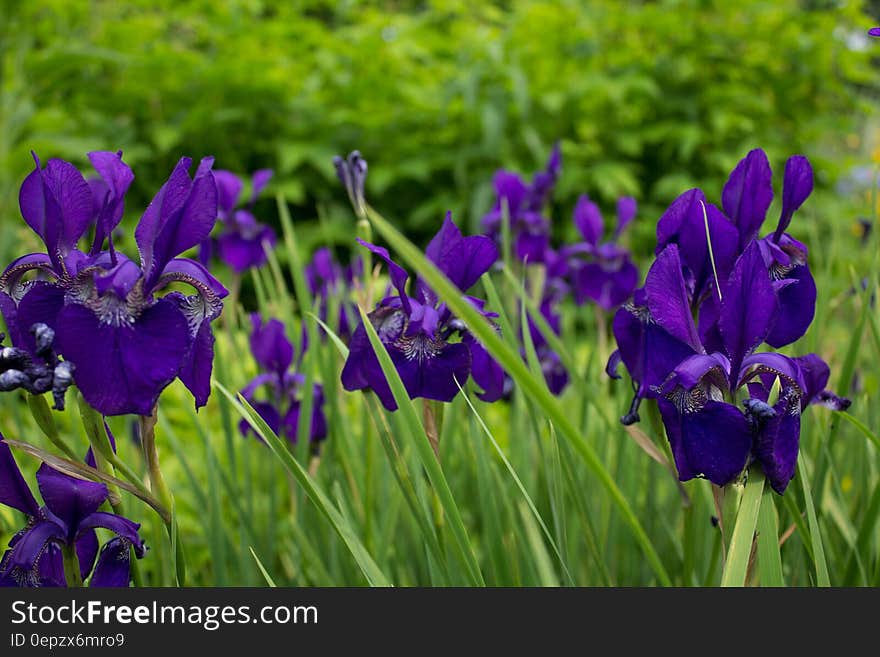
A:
(713, 442)
(362, 369)
(747, 194)
(814, 379)
(797, 186)
(86, 551)
(22, 562)
(797, 307)
(197, 365)
(42, 304)
(318, 424)
(69, 498)
(462, 259)
(748, 308)
(430, 369)
(485, 370)
(14, 492)
(270, 346)
(122, 527)
(179, 217)
(776, 445)
(116, 178)
(122, 369)
(648, 351)
(114, 565)
(588, 220)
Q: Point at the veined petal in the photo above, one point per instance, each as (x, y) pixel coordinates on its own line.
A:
(713, 442)
(777, 443)
(22, 563)
(114, 565)
(122, 527)
(667, 298)
(123, 368)
(797, 307)
(429, 368)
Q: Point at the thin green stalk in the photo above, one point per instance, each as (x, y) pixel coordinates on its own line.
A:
(737, 564)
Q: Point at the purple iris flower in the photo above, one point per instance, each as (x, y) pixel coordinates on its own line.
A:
(281, 409)
(241, 241)
(125, 343)
(69, 518)
(874, 32)
(529, 228)
(601, 272)
(555, 374)
(328, 279)
(745, 199)
(420, 332)
(698, 389)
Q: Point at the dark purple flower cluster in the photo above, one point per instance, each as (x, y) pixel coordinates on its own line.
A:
(243, 240)
(433, 351)
(597, 271)
(68, 520)
(280, 407)
(724, 403)
(123, 341)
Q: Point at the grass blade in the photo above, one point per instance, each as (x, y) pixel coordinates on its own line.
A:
(737, 565)
(366, 563)
(769, 557)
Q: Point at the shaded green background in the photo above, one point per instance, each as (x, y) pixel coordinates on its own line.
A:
(648, 98)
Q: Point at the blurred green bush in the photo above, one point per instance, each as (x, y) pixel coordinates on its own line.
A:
(648, 98)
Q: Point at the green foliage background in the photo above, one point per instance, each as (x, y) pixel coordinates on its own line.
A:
(648, 98)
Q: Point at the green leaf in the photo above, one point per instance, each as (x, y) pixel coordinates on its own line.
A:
(769, 557)
(736, 567)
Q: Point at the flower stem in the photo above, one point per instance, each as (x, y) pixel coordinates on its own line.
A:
(157, 483)
(71, 566)
(42, 414)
